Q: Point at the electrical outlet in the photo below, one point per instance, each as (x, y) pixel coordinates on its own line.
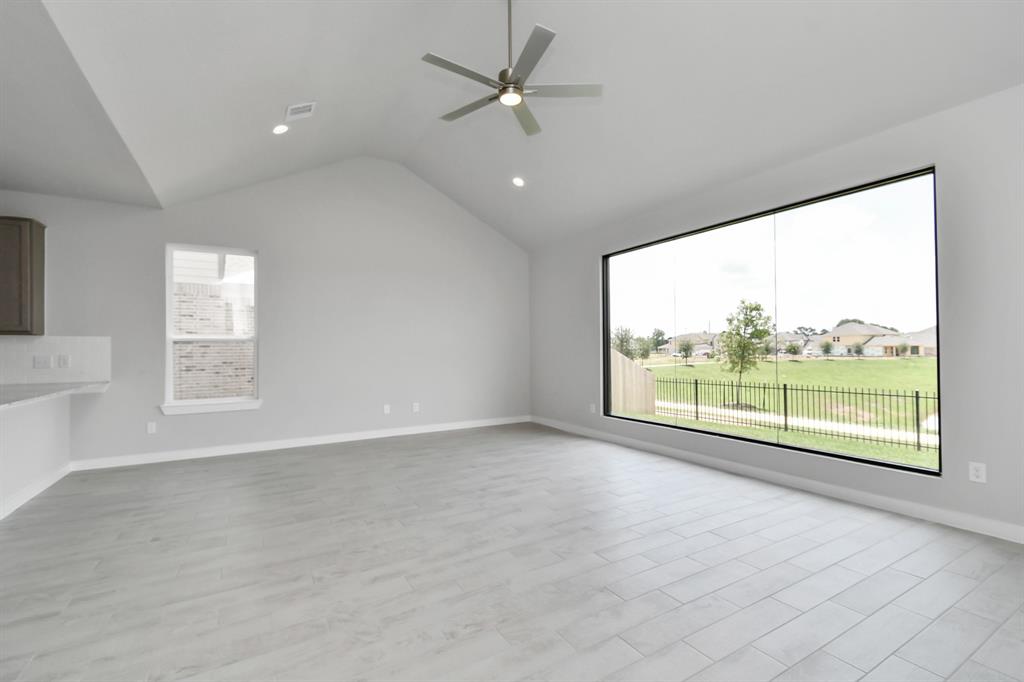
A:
(63, 361)
(151, 428)
(593, 408)
(415, 407)
(387, 409)
(976, 471)
(42, 361)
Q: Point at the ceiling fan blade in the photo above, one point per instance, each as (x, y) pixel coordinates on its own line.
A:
(449, 65)
(566, 90)
(470, 108)
(534, 49)
(526, 119)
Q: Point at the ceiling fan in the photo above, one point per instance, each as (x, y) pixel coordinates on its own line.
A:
(510, 86)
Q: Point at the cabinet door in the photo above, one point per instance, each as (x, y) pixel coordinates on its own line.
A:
(21, 281)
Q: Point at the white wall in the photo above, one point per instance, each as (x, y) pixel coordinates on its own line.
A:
(977, 149)
(34, 449)
(88, 359)
(373, 288)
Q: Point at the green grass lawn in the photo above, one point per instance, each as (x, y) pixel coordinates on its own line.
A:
(925, 458)
(896, 374)
(804, 377)
(887, 374)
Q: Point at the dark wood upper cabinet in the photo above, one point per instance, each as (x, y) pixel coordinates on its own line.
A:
(21, 276)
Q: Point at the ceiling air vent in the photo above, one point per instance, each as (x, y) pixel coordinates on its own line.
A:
(297, 111)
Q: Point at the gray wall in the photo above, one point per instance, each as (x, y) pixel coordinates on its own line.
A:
(373, 288)
(376, 288)
(977, 150)
(34, 449)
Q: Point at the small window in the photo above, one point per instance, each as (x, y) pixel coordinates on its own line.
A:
(211, 330)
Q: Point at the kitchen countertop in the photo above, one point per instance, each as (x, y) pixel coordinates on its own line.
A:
(13, 395)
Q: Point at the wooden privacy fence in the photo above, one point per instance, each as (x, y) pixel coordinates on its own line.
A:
(633, 388)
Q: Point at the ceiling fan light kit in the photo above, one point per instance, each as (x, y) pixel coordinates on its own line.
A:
(510, 86)
(510, 95)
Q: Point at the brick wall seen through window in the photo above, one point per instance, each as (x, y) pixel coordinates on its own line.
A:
(212, 325)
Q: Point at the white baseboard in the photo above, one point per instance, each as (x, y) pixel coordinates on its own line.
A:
(977, 524)
(12, 502)
(285, 443)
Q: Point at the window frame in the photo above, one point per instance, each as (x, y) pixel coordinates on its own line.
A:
(606, 411)
(170, 405)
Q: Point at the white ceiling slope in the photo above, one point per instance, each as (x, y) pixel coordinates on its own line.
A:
(695, 92)
(55, 137)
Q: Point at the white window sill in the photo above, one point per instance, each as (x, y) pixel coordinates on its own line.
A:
(213, 405)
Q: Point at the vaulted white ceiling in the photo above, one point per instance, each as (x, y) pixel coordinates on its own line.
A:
(55, 137)
(695, 93)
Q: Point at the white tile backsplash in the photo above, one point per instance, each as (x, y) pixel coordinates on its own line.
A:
(89, 359)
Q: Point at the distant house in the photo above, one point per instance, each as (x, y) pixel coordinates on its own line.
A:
(785, 339)
(845, 337)
(852, 333)
(703, 350)
(707, 344)
(923, 343)
(696, 338)
(813, 347)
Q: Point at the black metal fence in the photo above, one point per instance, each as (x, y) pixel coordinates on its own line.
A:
(906, 418)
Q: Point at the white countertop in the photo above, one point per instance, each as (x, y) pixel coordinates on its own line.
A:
(13, 395)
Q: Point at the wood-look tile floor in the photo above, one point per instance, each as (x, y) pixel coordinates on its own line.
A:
(491, 554)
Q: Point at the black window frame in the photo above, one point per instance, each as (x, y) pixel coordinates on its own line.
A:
(606, 324)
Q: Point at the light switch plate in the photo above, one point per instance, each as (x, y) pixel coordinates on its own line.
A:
(42, 362)
(63, 361)
(387, 409)
(415, 407)
(151, 428)
(977, 472)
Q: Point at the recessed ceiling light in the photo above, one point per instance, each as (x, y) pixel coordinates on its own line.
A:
(518, 181)
(280, 129)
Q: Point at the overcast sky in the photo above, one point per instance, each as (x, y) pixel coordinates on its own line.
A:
(869, 255)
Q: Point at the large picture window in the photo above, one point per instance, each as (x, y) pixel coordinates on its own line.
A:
(211, 330)
(812, 327)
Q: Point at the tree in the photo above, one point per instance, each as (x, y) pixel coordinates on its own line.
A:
(885, 326)
(792, 349)
(642, 348)
(768, 349)
(622, 341)
(658, 339)
(805, 331)
(685, 348)
(845, 320)
(748, 329)
(826, 348)
(858, 349)
(902, 350)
